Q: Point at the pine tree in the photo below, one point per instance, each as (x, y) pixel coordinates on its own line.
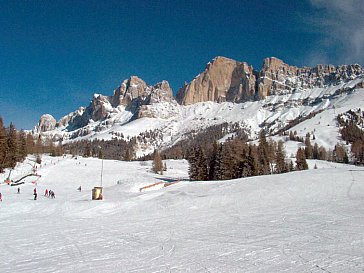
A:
(192, 165)
(291, 166)
(22, 144)
(263, 154)
(315, 151)
(301, 163)
(291, 136)
(308, 148)
(12, 146)
(239, 155)
(87, 151)
(3, 146)
(322, 153)
(340, 154)
(128, 156)
(30, 143)
(202, 169)
(157, 165)
(253, 161)
(226, 165)
(280, 156)
(212, 161)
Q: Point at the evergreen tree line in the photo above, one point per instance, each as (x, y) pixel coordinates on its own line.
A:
(16, 145)
(294, 122)
(351, 123)
(201, 138)
(118, 149)
(237, 158)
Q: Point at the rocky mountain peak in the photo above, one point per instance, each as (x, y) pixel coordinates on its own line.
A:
(223, 79)
(46, 123)
(161, 92)
(133, 95)
(131, 88)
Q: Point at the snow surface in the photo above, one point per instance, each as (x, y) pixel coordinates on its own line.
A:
(309, 221)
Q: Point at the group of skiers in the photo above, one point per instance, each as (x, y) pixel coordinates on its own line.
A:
(49, 193)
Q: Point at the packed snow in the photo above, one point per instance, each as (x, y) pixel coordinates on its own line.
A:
(308, 221)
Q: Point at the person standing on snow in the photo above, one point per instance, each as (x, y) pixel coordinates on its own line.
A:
(1, 197)
(46, 193)
(18, 190)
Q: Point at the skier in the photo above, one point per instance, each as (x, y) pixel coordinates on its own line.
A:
(46, 193)
(18, 190)
(35, 190)
(35, 195)
(53, 195)
(1, 197)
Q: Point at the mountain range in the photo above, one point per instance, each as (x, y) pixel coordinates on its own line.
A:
(276, 98)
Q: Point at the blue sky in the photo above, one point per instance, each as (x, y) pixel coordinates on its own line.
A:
(55, 54)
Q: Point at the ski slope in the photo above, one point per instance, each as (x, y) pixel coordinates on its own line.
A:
(309, 221)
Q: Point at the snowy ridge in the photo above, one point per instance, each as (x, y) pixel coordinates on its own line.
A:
(173, 121)
(137, 109)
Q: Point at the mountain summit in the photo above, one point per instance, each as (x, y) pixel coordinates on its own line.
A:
(228, 95)
(229, 80)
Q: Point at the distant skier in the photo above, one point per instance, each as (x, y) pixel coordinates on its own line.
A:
(18, 190)
(35, 196)
(35, 190)
(46, 193)
(79, 188)
(53, 195)
(1, 197)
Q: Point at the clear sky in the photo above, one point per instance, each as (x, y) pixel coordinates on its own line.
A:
(55, 54)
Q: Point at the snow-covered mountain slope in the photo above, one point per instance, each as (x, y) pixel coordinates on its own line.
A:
(308, 221)
(280, 97)
(171, 122)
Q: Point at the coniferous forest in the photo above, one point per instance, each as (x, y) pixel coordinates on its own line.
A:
(208, 159)
(237, 158)
(16, 145)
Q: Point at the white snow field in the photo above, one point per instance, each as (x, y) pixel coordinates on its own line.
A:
(309, 221)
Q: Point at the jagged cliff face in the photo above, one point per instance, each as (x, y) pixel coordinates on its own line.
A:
(228, 80)
(276, 77)
(135, 89)
(46, 123)
(223, 80)
(133, 95)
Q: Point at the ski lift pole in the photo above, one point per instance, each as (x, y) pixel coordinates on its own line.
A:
(102, 167)
(102, 162)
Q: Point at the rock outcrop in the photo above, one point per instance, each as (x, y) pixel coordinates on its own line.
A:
(129, 90)
(46, 123)
(223, 80)
(132, 95)
(228, 80)
(276, 77)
